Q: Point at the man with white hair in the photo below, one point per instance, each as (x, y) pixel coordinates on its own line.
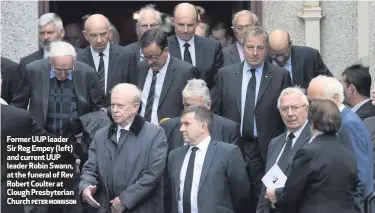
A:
(352, 133)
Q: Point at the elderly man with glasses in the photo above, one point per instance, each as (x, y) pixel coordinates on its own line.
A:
(161, 77)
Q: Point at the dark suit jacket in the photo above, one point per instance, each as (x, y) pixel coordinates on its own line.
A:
(354, 135)
(319, 181)
(226, 96)
(121, 66)
(366, 110)
(370, 124)
(135, 49)
(208, 56)
(224, 184)
(178, 73)
(231, 55)
(223, 129)
(35, 83)
(306, 65)
(10, 79)
(274, 150)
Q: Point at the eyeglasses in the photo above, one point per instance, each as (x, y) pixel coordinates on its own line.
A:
(146, 26)
(153, 57)
(275, 55)
(240, 28)
(285, 109)
(63, 70)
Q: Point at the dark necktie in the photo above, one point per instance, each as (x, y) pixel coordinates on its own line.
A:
(187, 56)
(186, 197)
(248, 119)
(101, 72)
(283, 160)
(150, 98)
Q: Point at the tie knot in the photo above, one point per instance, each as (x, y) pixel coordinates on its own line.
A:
(101, 54)
(123, 131)
(186, 45)
(291, 136)
(155, 72)
(252, 71)
(194, 149)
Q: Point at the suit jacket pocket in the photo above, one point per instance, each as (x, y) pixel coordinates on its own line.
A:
(222, 209)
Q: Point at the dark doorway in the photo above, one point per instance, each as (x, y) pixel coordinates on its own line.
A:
(120, 13)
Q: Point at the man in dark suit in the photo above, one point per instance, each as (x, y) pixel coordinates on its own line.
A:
(206, 175)
(126, 160)
(247, 93)
(319, 181)
(10, 78)
(356, 81)
(111, 62)
(196, 92)
(149, 18)
(352, 133)
(161, 77)
(370, 124)
(204, 53)
(233, 54)
(293, 106)
(303, 63)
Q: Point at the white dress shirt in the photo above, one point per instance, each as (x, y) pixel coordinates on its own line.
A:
(96, 58)
(45, 54)
(341, 108)
(240, 51)
(198, 164)
(287, 66)
(245, 81)
(296, 136)
(191, 49)
(119, 128)
(158, 87)
(359, 105)
(2, 101)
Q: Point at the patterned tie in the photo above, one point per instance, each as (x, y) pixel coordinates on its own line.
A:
(150, 98)
(186, 196)
(101, 72)
(248, 119)
(187, 56)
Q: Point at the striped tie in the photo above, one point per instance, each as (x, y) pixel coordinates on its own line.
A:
(150, 98)
(101, 72)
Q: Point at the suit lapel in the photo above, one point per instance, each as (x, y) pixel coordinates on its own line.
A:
(266, 78)
(199, 51)
(174, 48)
(211, 150)
(177, 170)
(142, 74)
(87, 58)
(168, 80)
(237, 86)
(296, 68)
(114, 59)
(276, 151)
(46, 70)
(216, 130)
(234, 55)
(137, 49)
(78, 89)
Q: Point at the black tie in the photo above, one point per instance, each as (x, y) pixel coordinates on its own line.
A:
(187, 56)
(150, 98)
(283, 160)
(248, 119)
(101, 72)
(186, 197)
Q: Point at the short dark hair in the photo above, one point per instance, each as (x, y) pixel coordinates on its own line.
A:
(360, 77)
(324, 116)
(202, 114)
(156, 36)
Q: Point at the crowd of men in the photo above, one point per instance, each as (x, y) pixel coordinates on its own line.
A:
(181, 125)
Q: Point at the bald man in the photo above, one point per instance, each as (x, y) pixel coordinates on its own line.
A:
(303, 63)
(233, 54)
(126, 160)
(112, 63)
(149, 18)
(204, 53)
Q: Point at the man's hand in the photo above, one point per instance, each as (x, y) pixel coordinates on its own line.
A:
(87, 196)
(270, 195)
(117, 206)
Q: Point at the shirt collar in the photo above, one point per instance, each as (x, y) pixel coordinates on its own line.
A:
(182, 42)
(203, 145)
(52, 74)
(246, 68)
(342, 107)
(2, 101)
(298, 132)
(359, 105)
(289, 61)
(239, 46)
(105, 51)
(317, 133)
(127, 127)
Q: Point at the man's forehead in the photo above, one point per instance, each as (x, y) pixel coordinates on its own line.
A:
(49, 26)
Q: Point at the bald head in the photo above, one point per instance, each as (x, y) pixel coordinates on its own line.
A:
(97, 32)
(279, 40)
(185, 9)
(97, 20)
(185, 21)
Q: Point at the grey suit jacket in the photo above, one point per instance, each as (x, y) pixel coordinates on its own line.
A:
(139, 167)
(178, 73)
(231, 55)
(370, 124)
(35, 83)
(224, 184)
(135, 49)
(121, 66)
(208, 56)
(274, 150)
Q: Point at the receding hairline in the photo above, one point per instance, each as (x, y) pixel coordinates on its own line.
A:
(96, 17)
(187, 5)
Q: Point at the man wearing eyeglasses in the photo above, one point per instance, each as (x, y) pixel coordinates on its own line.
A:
(247, 93)
(204, 53)
(161, 77)
(293, 106)
(112, 63)
(241, 20)
(303, 63)
(148, 18)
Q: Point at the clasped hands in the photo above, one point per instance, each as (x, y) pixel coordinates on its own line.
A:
(87, 195)
(270, 195)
